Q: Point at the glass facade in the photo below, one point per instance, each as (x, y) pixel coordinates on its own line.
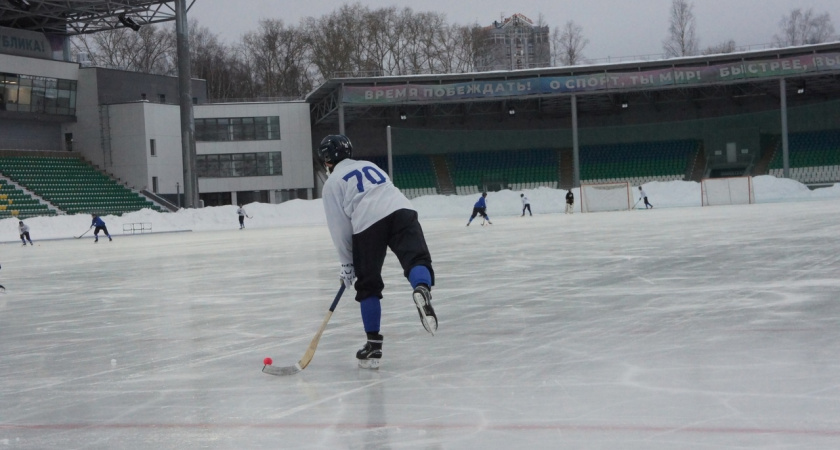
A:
(28, 93)
(239, 165)
(237, 129)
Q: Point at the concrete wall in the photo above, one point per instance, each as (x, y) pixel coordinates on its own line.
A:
(40, 67)
(294, 145)
(163, 124)
(87, 138)
(119, 86)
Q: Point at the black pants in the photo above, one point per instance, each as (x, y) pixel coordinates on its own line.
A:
(26, 235)
(528, 207)
(401, 232)
(241, 221)
(479, 211)
(98, 229)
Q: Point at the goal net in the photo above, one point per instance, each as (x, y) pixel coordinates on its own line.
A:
(727, 191)
(605, 197)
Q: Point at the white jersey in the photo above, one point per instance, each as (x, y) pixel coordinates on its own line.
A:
(642, 193)
(24, 228)
(525, 200)
(241, 211)
(356, 195)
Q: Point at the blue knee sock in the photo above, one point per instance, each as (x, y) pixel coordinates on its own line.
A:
(419, 275)
(371, 314)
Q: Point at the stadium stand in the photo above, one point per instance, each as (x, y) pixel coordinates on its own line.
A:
(519, 169)
(414, 175)
(637, 162)
(814, 157)
(16, 203)
(71, 185)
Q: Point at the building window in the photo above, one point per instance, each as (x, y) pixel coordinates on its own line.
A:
(239, 165)
(237, 129)
(161, 98)
(27, 93)
(152, 148)
(155, 185)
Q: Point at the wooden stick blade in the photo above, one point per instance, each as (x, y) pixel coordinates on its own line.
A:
(310, 351)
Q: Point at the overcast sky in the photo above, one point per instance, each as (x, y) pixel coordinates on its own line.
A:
(615, 28)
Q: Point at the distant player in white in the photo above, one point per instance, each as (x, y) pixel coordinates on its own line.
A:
(526, 204)
(643, 195)
(366, 215)
(24, 233)
(241, 213)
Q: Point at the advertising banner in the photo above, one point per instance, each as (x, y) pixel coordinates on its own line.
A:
(24, 43)
(606, 81)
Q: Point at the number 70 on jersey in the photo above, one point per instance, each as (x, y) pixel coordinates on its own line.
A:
(369, 173)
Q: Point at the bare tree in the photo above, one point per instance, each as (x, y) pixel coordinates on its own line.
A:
(568, 44)
(148, 50)
(480, 47)
(276, 55)
(278, 60)
(727, 46)
(422, 42)
(222, 67)
(336, 49)
(804, 28)
(681, 40)
(456, 49)
(383, 27)
(543, 44)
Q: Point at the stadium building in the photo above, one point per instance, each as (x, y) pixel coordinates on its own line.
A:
(514, 43)
(81, 139)
(742, 114)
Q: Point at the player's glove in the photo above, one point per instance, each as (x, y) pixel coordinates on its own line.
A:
(347, 274)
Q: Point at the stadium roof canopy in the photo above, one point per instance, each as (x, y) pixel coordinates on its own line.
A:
(74, 17)
(758, 74)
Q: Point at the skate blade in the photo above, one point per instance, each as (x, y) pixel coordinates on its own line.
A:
(371, 364)
(429, 323)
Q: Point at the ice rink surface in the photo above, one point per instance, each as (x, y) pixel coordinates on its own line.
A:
(680, 328)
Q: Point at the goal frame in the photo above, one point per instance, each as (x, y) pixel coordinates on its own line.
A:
(743, 183)
(584, 208)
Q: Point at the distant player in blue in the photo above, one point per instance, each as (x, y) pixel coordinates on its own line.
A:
(100, 226)
(480, 208)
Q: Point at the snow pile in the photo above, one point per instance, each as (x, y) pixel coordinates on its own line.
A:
(671, 194)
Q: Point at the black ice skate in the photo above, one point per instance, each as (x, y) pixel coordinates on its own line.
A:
(422, 299)
(371, 354)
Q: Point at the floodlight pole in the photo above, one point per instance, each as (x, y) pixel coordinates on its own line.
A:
(575, 145)
(185, 100)
(341, 110)
(390, 152)
(785, 154)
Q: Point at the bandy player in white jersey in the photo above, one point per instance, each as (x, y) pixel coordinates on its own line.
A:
(366, 215)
